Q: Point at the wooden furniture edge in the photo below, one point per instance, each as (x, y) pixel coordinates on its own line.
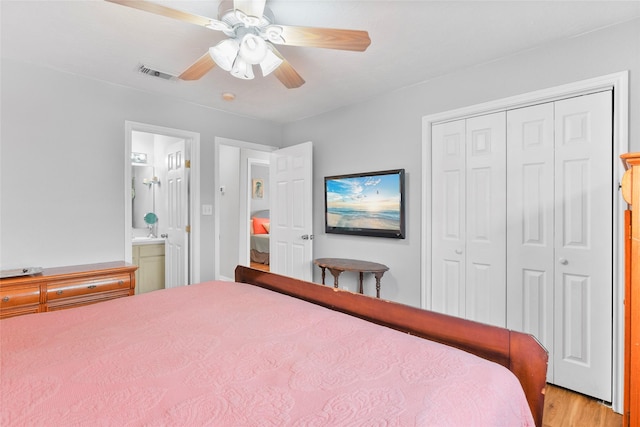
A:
(631, 193)
(69, 277)
(75, 271)
(521, 353)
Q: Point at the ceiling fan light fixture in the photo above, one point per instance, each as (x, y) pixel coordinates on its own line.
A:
(216, 25)
(270, 63)
(248, 20)
(242, 70)
(253, 49)
(273, 33)
(224, 53)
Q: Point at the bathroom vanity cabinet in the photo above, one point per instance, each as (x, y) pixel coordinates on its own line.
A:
(150, 261)
(66, 287)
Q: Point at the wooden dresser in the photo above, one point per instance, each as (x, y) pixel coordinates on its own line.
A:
(631, 194)
(66, 287)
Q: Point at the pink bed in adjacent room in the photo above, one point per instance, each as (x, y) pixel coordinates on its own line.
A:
(233, 354)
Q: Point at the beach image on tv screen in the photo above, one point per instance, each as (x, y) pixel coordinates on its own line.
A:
(364, 202)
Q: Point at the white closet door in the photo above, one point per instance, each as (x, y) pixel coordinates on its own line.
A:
(583, 241)
(468, 258)
(530, 219)
(448, 216)
(486, 294)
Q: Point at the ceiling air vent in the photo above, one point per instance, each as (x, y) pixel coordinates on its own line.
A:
(155, 73)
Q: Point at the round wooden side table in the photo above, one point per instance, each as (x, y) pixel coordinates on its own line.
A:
(338, 265)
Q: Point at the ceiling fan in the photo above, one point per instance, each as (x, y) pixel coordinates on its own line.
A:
(251, 39)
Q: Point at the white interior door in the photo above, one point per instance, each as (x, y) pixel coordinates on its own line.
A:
(560, 238)
(177, 241)
(468, 257)
(449, 214)
(291, 234)
(530, 223)
(486, 291)
(584, 241)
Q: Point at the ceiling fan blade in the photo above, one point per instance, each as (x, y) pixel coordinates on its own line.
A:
(164, 11)
(199, 68)
(328, 38)
(250, 7)
(287, 75)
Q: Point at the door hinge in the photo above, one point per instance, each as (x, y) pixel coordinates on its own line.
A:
(187, 229)
(187, 164)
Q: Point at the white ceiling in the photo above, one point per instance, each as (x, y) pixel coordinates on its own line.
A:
(411, 42)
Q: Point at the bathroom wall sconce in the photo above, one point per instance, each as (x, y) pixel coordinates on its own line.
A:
(150, 182)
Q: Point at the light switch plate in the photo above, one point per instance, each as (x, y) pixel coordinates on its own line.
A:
(207, 209)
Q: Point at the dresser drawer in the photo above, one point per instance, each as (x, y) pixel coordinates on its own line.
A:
(16, 297)
(84, 287)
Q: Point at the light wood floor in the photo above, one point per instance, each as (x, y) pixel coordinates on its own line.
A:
(259, 266)
(564, 408)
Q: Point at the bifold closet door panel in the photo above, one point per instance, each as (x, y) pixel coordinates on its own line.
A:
(485, 294)
(448, 217)
(584, 241)
(530, 223)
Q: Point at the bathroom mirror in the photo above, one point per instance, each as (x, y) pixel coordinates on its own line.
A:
(142, 194)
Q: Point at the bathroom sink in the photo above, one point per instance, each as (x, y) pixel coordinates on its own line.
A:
(143, 240)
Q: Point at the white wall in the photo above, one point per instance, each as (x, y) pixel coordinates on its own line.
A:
(385, 133)
(229, 209)
(62, 143)
(62, 163)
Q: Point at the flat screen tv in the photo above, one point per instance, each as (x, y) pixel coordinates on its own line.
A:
(365, 204)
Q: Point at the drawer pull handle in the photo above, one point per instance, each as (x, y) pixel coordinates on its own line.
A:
(5, 299)
(120, 282)
(59, 292)
(91, 286)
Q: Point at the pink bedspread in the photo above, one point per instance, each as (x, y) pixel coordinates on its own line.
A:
(220, 353)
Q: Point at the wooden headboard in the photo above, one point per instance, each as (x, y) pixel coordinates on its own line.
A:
(521, 353)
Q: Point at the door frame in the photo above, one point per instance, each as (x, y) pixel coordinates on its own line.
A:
(619, 82)
(218, 186)
(192, 140)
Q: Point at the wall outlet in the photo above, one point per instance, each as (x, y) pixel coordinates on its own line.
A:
(207, 209)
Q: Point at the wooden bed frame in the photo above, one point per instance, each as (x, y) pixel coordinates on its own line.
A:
(521, 353)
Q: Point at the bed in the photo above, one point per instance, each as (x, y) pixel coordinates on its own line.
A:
(259, 237)
(265, 350)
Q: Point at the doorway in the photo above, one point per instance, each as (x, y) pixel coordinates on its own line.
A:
(290, 207)
(163, 137)
(233, 202)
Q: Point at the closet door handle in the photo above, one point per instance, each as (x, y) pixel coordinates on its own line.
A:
(563, 261)
(458, 251)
